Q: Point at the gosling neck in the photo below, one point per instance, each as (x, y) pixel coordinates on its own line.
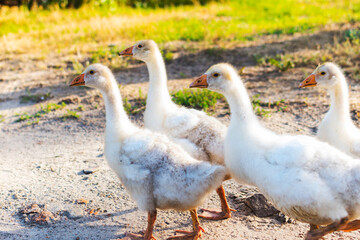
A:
(240, 106)
(117, 121)
(339, 108)
(158, 91)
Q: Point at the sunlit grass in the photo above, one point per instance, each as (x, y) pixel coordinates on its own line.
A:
(344, 52)
(34, 118)
(199, 99)
(85, 29)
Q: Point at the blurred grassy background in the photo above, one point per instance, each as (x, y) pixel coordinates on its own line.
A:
(98, 23)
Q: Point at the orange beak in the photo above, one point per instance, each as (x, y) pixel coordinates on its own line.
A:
(308, 82)
(200, 82)
(127, 52)
(78, 81)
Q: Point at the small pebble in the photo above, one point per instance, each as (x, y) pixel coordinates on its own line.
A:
(90, 170)
(82, 201)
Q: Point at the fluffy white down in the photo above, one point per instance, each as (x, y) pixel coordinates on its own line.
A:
(160, 174)
(337, 127)
(194, 127)
(200, 135)
(305, 178)
(344, 136)
(155, 171)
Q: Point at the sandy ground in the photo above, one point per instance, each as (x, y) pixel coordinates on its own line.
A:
(43, 163)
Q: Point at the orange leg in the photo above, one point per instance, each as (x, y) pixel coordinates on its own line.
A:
(351, 226)
(148, 233)
(197, 229)
(225, 209)
(315, 234)
(313, 227)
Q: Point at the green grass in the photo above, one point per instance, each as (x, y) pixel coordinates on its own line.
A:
(2, 118)
(88, 28)
(168, 56)
(198, 99)
(353, 35)
(344, 51)
(259, 106)
(24, 116)
(279, 105)
(35, 97)
(34, 118)
(109, 56)
(52, 107)
(77, 66)
(203, 99)
(281, 62)
(206, 100)
(81, 108)
(33, 122)
(70, 115)
(135, 105)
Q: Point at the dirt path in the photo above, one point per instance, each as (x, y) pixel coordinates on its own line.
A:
(44, 165)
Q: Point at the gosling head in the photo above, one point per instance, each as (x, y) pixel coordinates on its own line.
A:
(219, 77)
(326, 76)
(95, 75)
(142, 50)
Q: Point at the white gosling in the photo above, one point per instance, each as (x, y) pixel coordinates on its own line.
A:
(200, 135)
(305, 178)
(157, 173)
(337, 127)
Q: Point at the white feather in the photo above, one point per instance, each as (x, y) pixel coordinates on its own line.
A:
(199, 134)
(305, 178)
(337, 127)
(156, 172)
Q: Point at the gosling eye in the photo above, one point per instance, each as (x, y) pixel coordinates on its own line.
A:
(91, 72)
(140, 46)
(323, 73)
(216, 75)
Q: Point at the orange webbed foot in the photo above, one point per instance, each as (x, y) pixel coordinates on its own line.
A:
(188, 235)
(351, 226)
(213, 214)
(147, 235)
(319, 232)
